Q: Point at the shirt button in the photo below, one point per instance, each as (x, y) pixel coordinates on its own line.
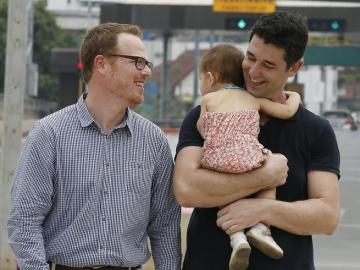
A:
(107, 164)
(103, 218)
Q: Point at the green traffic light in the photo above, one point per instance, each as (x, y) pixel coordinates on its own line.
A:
(335, 25)
(241, 24)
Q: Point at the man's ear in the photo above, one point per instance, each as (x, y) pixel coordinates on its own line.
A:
(211, 78)
(295, 67)
(99, 63)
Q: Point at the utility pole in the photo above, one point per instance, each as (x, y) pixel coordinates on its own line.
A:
(14, 89)
(196, 67)
(165, 80)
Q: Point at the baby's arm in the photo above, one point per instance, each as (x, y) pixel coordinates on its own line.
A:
(200, 122)
(279, 110)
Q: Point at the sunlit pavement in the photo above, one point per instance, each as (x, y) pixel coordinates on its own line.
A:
(341, 251)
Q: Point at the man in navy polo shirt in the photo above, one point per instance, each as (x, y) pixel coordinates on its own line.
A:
(307, 204)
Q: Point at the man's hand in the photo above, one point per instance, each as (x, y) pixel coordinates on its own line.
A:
(276, 169)
(246, 213)
(241, 214)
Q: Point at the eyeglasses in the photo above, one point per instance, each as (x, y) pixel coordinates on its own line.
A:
(140, 62)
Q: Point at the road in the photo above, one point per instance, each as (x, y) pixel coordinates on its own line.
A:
(340, 251)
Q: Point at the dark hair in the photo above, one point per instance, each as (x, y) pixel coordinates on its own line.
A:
(225, 61)
(100, 40)
(283, 30)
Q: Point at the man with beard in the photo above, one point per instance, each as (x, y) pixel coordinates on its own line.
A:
(94, 179)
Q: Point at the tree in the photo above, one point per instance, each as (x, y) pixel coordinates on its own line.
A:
(47, 35)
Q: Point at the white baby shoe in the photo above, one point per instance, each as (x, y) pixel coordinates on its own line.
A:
(241, 251)
(260, 237)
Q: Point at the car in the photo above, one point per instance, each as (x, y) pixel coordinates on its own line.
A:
(341, 119)
(356, 115)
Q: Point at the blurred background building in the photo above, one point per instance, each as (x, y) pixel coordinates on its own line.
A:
(176, 33)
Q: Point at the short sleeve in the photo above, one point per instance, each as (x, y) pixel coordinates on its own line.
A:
(189, 135)
(325, 155)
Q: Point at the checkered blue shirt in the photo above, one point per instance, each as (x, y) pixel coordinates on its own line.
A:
(84, 198)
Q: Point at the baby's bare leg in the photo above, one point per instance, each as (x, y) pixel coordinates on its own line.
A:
(260, 237)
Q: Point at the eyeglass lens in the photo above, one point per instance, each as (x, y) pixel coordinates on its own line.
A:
(141, 63)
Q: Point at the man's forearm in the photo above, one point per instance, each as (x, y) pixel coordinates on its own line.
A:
(212, 189)
(166, 247)
(197, 187)
(27, 245)
(317, 215)
(308, 217)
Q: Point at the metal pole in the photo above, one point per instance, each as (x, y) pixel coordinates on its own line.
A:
(196, 68)
(14, 89)
(164, 88)
(89, 14)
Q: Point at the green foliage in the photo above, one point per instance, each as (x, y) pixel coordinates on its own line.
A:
(150, 108)
(47, 35)
(48, 87)
(352, 74)
(349, 78)
(176, 108)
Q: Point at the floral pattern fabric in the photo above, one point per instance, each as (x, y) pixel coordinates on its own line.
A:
(231, 143)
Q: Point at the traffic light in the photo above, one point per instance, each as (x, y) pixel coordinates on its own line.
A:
(239, 23)
(327, 25)
(79, 66)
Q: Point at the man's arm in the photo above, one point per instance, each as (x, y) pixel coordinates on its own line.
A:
(31, 195)
(164, 226)
(317, 215)
(197, 187)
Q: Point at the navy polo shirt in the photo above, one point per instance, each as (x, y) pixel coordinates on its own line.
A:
(309, 143)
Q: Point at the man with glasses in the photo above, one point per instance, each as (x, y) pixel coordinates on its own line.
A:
(93, 182)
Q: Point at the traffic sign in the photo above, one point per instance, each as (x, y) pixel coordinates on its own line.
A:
(244, 6)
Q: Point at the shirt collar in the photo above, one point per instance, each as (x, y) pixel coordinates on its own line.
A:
(84, 115)
(129, 120)
(86, 118)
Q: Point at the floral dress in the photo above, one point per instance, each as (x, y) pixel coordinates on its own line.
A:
(231, 143)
